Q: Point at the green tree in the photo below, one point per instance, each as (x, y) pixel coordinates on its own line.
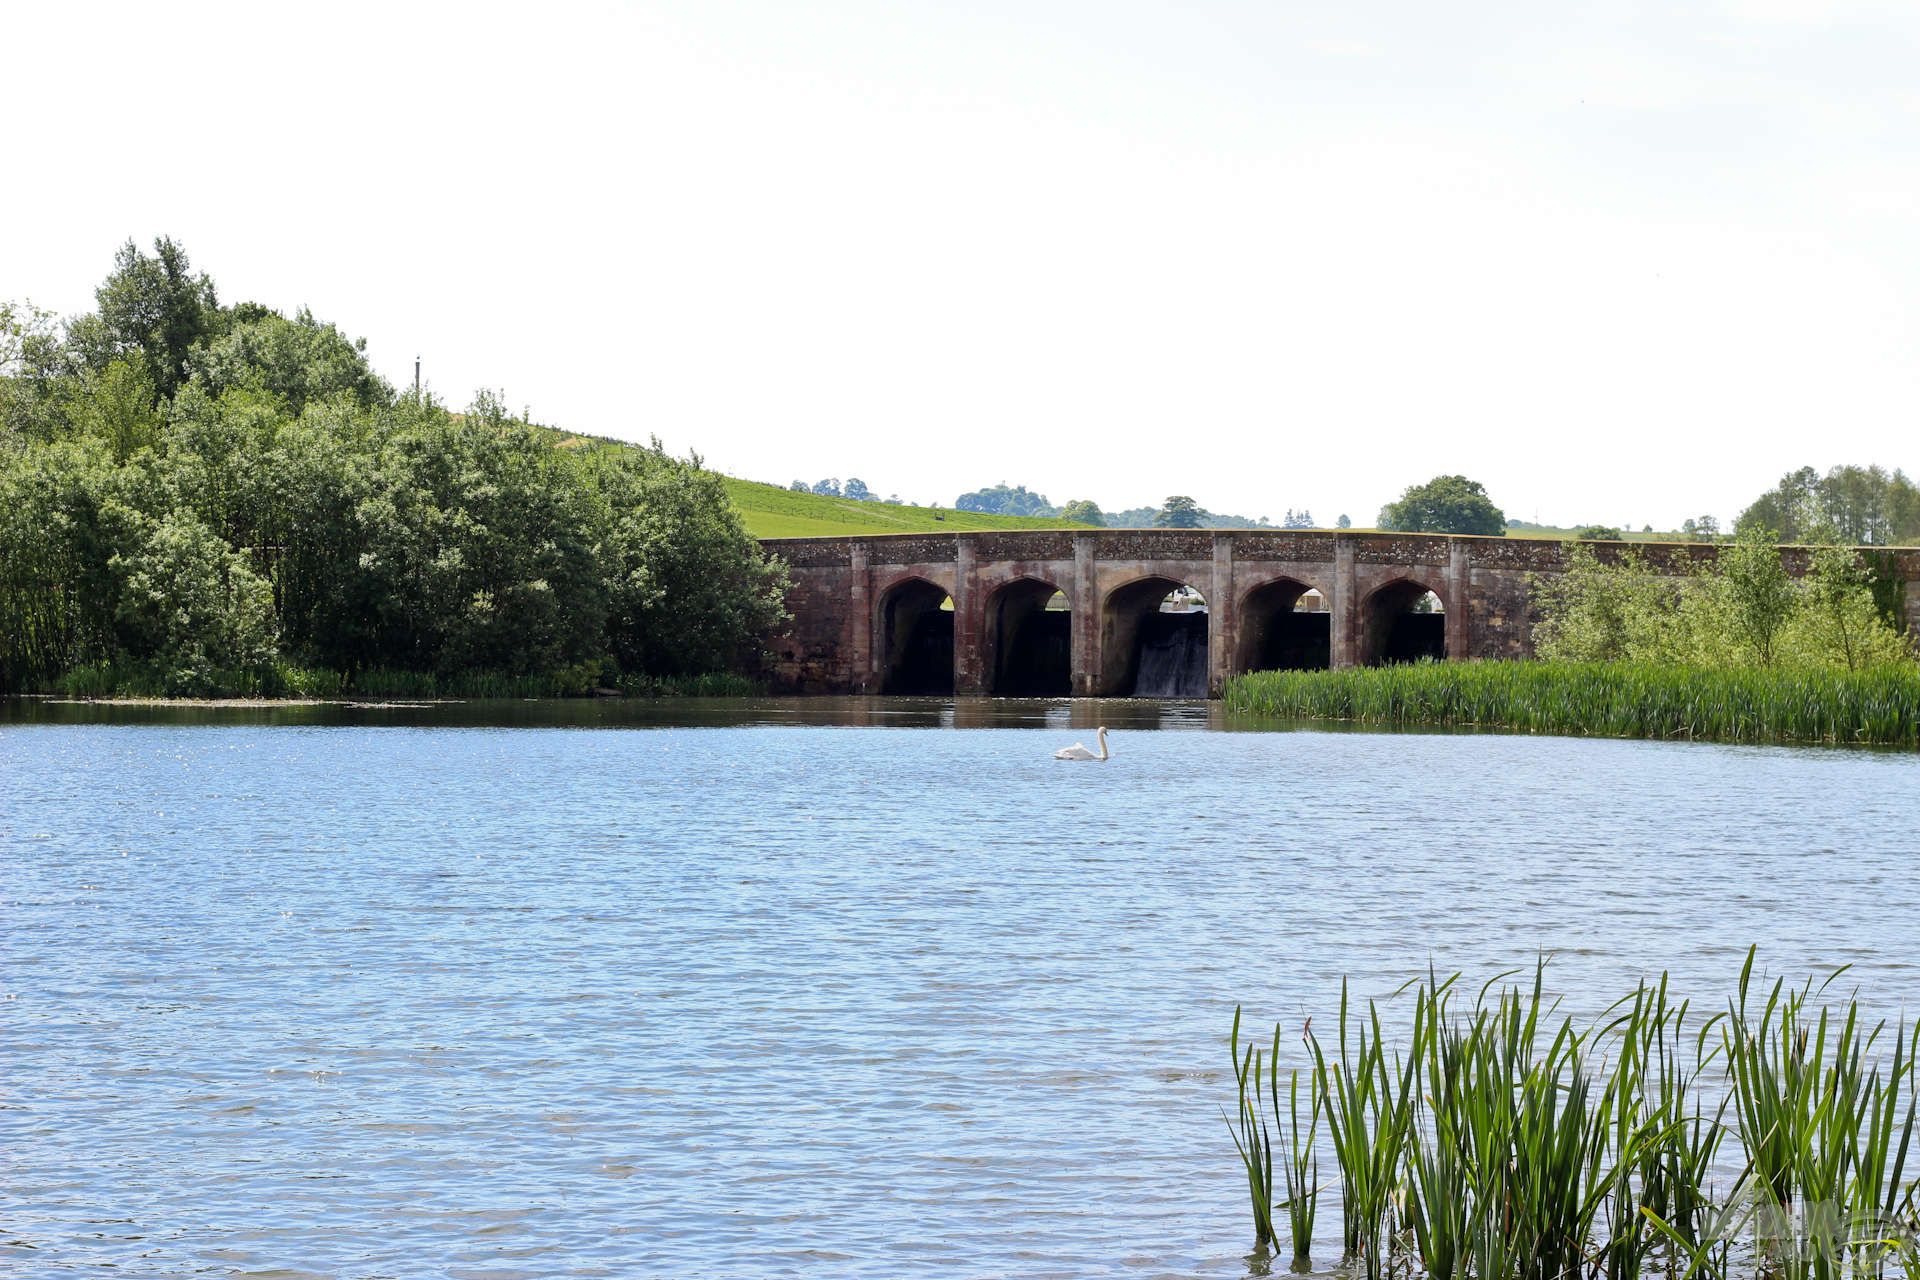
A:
(1599, 533)
(213, 461)
(155, 306)
(56, 590)
(116, 405)
(321, 474)
(1344, 522)
(280, 501)
(1445, 504)
(297, 361)
(1707, 529)
(1084, 511)
(1838, 622)
(481, 549)
(189, 605)
(1001, 499)
(1178, 512)
(691, 591)
(37, 374)
(1855, 505)
(1759, 595)
(1788, 510)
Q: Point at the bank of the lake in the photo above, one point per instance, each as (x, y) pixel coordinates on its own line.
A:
(139, 682)
(1875, 707)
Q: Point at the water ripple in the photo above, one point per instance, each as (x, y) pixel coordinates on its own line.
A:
(782, 999)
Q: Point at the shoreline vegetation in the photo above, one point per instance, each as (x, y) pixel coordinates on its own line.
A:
(279, 683)
(1738, 652)
(206, 499)
(1877, 706)
(1495, 1139)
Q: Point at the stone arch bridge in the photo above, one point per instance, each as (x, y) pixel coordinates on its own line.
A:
(1120, 612)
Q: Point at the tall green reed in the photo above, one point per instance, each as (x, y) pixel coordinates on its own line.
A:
(1369, 1108)
(1258, 1074)
(1823, 1121)
(1502, 1142)
(1873, 706)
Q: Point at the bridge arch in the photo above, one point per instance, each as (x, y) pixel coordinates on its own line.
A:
(1403, 621)
(1153, 640)
(1285, 625)
(915, 633)
(1026, 639)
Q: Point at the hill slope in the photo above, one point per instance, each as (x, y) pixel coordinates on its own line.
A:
(772, 512)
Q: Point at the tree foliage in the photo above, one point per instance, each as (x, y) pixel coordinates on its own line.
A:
(186, 603)
(1702, 529)
(296, 361)
(1742, 609)
(152, 306)
(1856, 506)
(1003, 500)
(1178, 512)
(1085, 511)
(1445, 504)
(192, 491)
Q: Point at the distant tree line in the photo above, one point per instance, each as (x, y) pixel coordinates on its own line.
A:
(853, 488)
(1853, 505)
(197, 497)
(1858, 506)
(1177, 512)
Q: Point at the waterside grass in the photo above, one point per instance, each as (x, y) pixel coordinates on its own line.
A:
(1879, 706)
(1499, 1141)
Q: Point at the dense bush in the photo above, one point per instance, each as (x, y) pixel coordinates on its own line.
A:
(1742, 609)
(197, 499)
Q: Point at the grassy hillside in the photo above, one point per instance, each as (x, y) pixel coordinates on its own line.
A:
(773, 512)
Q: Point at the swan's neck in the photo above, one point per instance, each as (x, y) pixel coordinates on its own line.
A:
(1103, 744)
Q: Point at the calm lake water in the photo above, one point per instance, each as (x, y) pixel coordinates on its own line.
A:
(823, 988)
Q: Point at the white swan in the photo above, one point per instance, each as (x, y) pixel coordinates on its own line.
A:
(1078, 750)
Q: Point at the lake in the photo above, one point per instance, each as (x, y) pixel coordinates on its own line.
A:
(813, 988)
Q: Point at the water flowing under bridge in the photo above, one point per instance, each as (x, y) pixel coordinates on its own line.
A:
(1164, 612)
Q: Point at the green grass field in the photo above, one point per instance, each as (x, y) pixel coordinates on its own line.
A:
(773, 512)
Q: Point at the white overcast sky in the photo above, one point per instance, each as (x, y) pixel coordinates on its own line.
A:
(1621, 263)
